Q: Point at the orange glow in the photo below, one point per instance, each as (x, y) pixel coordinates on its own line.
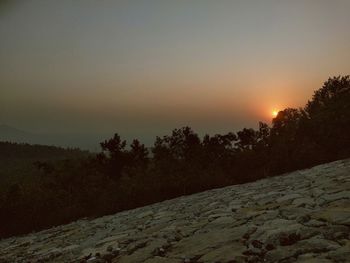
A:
(274, 113)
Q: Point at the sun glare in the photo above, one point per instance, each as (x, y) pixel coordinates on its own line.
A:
(274, 113)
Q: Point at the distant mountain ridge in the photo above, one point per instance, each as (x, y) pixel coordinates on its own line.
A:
(85, 142)
(8, 133)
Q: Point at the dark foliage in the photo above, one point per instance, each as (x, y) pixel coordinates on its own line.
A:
(54, 191)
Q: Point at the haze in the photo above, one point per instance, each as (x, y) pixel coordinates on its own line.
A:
(142, 68)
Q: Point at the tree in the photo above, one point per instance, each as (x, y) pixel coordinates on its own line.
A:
(138, 153)
(114, 157)
(247, 139)
(328, 116)
(284, 140)
(335, 90)
(182, 144)
(286, 124)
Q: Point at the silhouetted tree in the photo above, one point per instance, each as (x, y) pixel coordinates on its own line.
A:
(263, 135)
(138, 153)
(114, 157)
(247, 139)
(328, 116)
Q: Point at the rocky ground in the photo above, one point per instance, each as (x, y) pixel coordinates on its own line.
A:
(303, 216)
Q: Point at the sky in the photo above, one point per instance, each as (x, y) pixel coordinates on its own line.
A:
(142, 68)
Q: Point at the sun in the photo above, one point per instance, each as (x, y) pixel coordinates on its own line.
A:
(274, 113)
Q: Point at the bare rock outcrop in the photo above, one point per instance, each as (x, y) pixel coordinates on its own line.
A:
(302, 216)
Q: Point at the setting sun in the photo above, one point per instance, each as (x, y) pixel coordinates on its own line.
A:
(274, 113)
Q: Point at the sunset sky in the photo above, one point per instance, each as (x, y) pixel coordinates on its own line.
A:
(145, 67)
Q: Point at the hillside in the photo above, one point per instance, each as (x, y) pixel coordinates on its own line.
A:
(302, 216)
(16, 159)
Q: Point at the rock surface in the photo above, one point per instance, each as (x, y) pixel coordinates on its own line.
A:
(302, 216)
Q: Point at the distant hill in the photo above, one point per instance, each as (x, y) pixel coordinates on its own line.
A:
(8, 133)
(16, 159)
(84, 141)
(24, 151)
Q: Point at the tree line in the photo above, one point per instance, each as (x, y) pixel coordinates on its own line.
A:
(125, 176)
